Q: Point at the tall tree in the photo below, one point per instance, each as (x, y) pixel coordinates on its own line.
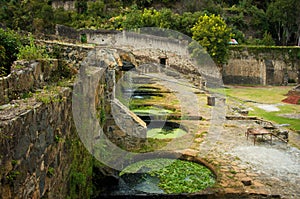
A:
(213, 35)
(284, 18)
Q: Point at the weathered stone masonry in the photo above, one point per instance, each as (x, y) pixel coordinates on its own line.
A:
(36, 148)
(262, 66)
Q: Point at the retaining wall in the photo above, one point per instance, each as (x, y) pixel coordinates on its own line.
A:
(26, 76)
(262, 66)
(38, 143)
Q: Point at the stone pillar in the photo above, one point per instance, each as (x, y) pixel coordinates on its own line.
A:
(211, 100)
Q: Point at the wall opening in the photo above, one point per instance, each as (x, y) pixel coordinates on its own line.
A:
(83, 38)
(163, 61)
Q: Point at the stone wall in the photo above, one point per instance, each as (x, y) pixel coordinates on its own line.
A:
(262, 66)
(67, 32)
(38, 143)
(66, 5)
(121, 127)
(174, 51)
(26, 76)
(72, 54)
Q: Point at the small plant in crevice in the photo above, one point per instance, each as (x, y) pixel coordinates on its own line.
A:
(12, 175)
(26, 95)
(14, 162)
(58, 138)
(50, 172)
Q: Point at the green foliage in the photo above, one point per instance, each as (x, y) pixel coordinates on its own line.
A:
(26, 95)
(32, 52)
(176, 176)
(284, 18)
(213, 35)
(81, 6)
(250, 17)
(81, 170)
(268, 40)
(96, 8)
(50, 171)
(10, 42)
(259, 20)
(12, 175)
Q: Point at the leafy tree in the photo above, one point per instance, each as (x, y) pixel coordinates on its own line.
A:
(10, 42)
(81, 6)
(62, 17)
(165, 18)
(132, 20)
(259, 20)
(213, 35)
(284, 17)
(96, 8)
(187, 21)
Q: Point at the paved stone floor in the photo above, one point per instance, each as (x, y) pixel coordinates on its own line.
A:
(266, 168)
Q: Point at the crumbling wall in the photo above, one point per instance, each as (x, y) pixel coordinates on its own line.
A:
(262, 66)
(26, 76)
(38, 142)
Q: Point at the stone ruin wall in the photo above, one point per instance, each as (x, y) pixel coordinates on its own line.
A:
(25, 77)
(37, 133)
(66, 5)
(36, 146)
(121, 126)
(272, 67)
(275, 67)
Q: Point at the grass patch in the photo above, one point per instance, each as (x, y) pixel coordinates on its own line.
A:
(151, 110)
(273, 116)
(265, 95)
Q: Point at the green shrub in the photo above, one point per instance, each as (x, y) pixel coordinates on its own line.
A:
(267, 40)
(32, 52)
(50, 172)
(10, 42)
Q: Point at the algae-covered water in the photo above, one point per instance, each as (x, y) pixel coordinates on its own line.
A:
(161, 133)
(164, 175)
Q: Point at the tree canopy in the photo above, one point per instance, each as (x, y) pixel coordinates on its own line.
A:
(213, 35)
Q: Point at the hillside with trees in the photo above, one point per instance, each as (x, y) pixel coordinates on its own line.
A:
(251, 21)
(211, 23)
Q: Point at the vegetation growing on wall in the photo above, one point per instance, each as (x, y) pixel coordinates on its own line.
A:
(31, 51)
(81, 171)
(293, 52)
